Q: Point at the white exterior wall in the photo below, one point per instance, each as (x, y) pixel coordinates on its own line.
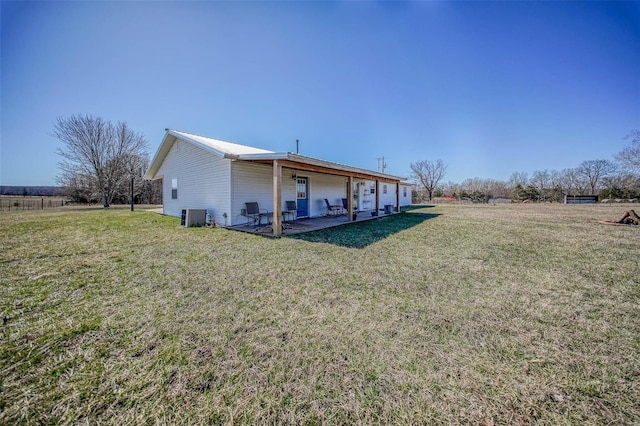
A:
(222, 186)
(405, 195)
(321, 186)
(250, 182)
(254, 182)
(367, 200)
(203, 181)
(390, 196)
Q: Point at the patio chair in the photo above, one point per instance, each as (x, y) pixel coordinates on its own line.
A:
(345, 205)
(292, 210)
(256, 213)
(332, 208)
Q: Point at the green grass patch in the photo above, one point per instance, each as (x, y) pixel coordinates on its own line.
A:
(516, 314)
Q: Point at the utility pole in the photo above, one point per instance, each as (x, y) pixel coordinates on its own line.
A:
(381, 164)
(132, 177)
(297, 146)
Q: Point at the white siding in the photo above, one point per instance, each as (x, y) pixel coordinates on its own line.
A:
(250, 182)
(405, 195)
(321, 186)
(366, 192)
(254, 182)
(203, 181)
(390, 196)
(288, 187)
(222, 186)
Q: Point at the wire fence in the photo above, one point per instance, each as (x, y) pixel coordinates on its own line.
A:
(26, 203)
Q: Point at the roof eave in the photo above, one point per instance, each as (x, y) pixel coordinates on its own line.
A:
(169, 139)
(264, 156)
(171, 136)
(337, 166)
(162, 152)
(297, 158)
(197, 143)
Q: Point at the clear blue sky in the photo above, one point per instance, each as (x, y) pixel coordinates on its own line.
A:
(488, 87)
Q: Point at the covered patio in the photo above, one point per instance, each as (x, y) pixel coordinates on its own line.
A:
(296, 163)
(299, 226)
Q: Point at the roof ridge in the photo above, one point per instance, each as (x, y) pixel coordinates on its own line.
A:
(219, 144)
(208, 137)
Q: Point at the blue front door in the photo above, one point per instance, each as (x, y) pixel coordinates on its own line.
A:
(303, 197)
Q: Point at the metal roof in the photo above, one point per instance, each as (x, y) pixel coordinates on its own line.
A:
(235, 151)
(223, 147)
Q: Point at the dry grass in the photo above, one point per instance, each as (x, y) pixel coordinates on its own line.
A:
(468, 314)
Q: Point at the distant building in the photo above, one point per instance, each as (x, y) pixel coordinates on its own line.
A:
(580, 199)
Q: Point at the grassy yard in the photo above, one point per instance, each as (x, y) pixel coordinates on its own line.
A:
(518, 314)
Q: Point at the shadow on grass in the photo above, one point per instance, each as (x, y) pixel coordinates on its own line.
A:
(362, 234)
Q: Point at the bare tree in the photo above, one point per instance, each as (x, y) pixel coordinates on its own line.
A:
(481, 190)
(557, 191)
(594, 171)
(629, 157)
(517, 183)
(80, 188)
(518, 178)
(451, 189)
(429, 174)
(570, 182)
(541, 180)
(97, 149)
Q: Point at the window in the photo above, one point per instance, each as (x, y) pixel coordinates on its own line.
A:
(174, 188)
(373, 188)
(384, 189)
(302, 188)
(404, 191)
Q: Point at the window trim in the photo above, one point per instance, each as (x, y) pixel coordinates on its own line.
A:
(174, 188)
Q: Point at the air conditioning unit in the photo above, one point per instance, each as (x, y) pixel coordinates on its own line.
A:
(193, 217)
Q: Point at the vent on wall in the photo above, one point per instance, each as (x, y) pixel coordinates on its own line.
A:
(193, 217)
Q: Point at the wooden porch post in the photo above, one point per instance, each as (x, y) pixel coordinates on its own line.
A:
(377, 196)
(277, 199)
(350, 198)
(398, 197)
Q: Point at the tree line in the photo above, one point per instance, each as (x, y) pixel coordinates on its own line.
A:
(30, 191)
(608, 179)
(102, 161)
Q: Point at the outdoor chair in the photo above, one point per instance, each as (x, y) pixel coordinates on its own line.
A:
(331, 209)
(292, 210)
(256, 213)
(345, 205)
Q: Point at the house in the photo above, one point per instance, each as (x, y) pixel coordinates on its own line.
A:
(203, 173)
